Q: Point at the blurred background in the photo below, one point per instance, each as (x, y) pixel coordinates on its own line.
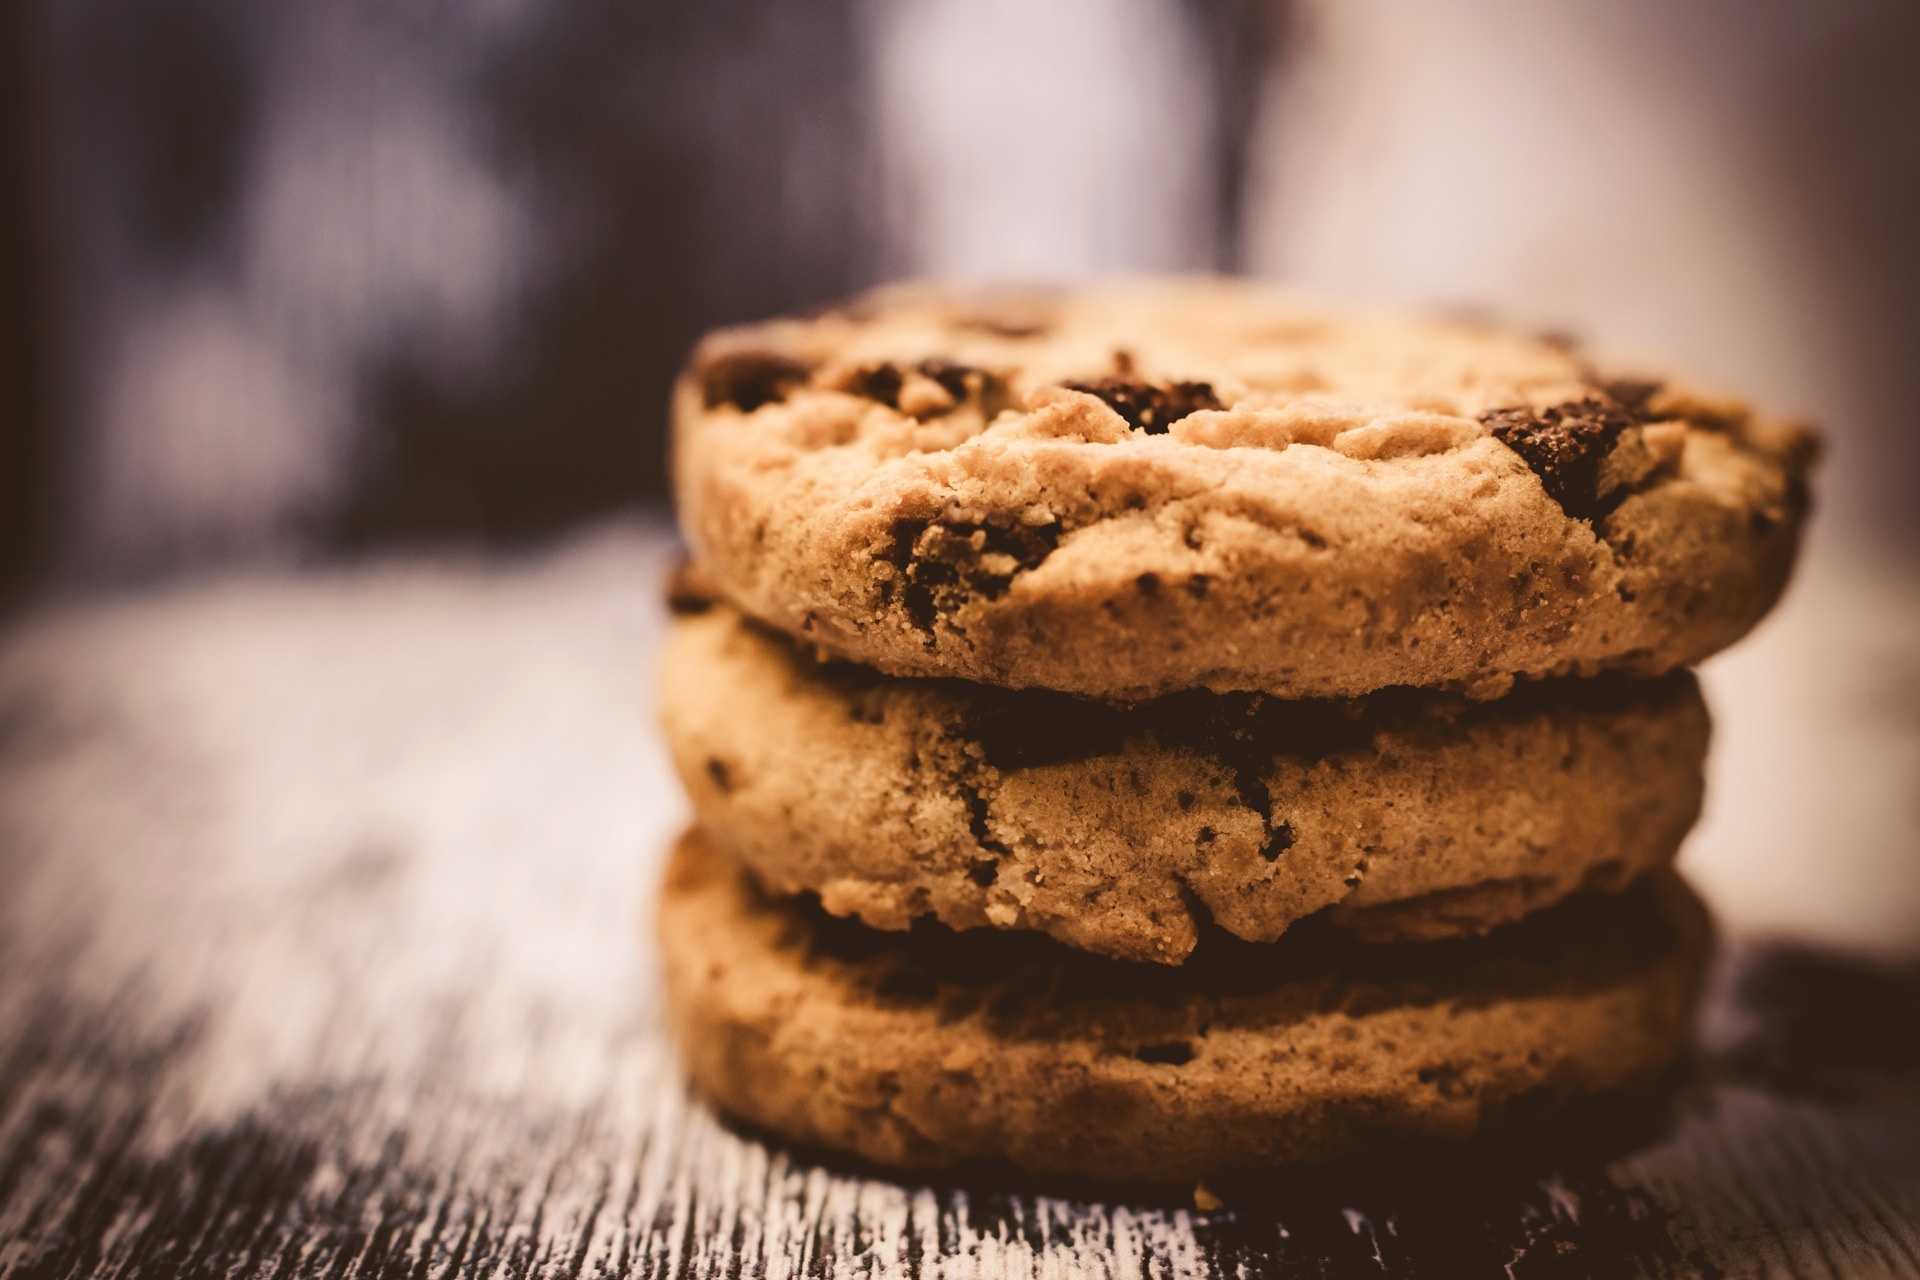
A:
(292, 283)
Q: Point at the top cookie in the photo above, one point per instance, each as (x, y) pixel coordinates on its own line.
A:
(1162, 485)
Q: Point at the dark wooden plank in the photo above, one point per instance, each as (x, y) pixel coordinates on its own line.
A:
(322, 953)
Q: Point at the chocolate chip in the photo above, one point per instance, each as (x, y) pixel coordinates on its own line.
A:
(717, 770)
(1148, 583)
(905, 532)
(1447, 1080)
(1025, 544)
(1147, 406)
(922, 609)
(1171, 1053)
(750, 379)
(943, 561)
(951, 377)
(878, 382)
(686, 597)
(1632, 392)
(1565, 446)
(965, 383)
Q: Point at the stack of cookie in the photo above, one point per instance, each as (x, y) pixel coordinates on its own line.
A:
(1172, 728)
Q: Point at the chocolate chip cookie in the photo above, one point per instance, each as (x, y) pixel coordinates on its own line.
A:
(1139, 489)
(926, 1049)
(1118, 831)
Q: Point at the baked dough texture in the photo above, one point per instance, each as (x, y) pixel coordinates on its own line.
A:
(1137, 489)
(930, 1049)
(1403, 816)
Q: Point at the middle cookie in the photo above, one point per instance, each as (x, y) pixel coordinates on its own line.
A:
(1404, 815)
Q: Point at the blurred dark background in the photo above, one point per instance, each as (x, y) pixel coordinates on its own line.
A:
(303, 279)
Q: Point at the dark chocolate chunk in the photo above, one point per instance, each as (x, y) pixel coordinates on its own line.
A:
(1565, 446)
(943, 561)
(905, 532)
(686, 595)
(951, 377)
(1174, 1053)
(749, 379)
(922, 609)
(1147, 406)
(1447, 1079)
(1632, 392)
(961, 545)
(878, 382)
(965, 383)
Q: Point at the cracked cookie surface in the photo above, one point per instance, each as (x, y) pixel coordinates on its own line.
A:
(1137, 489)
(932, 1048)
(1120, 831)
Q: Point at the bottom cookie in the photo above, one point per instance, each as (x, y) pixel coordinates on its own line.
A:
(931, 1048)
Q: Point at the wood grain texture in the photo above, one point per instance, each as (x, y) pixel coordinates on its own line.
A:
(322, 954)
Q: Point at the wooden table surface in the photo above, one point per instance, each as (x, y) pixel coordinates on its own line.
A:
(322, 952)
